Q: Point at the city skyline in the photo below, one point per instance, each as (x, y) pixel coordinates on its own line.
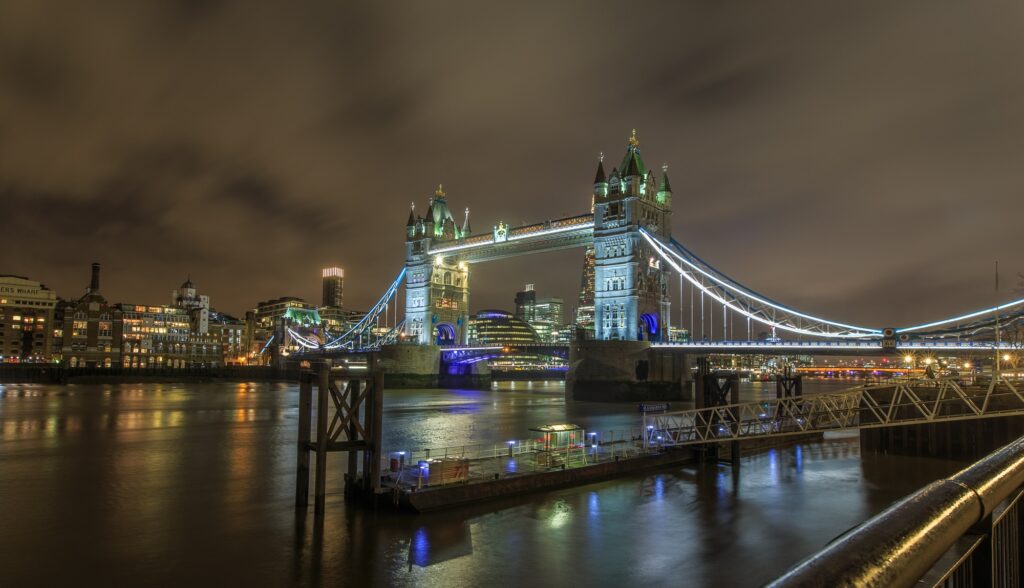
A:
(785, 142)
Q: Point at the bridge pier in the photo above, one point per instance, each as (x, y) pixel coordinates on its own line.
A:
(626, 371)
(421, 366)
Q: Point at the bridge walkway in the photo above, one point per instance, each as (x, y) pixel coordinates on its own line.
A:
(891, 403)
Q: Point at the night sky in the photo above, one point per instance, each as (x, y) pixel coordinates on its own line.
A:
(864, 161)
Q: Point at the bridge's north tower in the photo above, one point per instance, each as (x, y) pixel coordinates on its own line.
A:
(630, 286)
(437, 288)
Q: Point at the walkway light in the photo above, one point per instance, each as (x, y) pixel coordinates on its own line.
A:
(908, 359)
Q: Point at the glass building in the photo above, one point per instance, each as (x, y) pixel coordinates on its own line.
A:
(497, 327)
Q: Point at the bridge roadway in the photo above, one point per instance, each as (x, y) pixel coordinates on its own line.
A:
(865, 347)
(892, 403)
(847, 347)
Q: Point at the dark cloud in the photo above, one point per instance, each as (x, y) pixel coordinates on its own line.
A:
(859, 160)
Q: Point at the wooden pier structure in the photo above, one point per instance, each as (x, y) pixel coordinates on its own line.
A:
(355, 393)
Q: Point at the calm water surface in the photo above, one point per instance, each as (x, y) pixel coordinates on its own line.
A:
(175, 484)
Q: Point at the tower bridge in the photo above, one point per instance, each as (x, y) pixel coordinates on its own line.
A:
(636, 260)
(630, 286)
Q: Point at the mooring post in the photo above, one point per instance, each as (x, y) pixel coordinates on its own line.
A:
(352, 394)
(323, 392)
(305, 418)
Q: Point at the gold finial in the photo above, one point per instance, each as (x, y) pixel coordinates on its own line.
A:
(412, 206)
(439, 192)
(633, 141)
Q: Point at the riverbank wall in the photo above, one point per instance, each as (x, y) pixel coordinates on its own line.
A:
(58, 374)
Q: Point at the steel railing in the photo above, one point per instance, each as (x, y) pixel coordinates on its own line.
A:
(961, 531)
(513, 457)
(892, 402)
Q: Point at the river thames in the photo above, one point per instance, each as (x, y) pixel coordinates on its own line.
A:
(193, 484)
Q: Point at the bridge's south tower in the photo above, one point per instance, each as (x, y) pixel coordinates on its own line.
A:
(437, 289)
(630, 285)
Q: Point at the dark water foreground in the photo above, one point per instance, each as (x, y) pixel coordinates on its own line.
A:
(164, 484)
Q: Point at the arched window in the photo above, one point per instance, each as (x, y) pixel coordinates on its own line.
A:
(73, 362)
(447, 278)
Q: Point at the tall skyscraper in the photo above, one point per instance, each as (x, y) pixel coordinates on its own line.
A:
(334, 286)
(585, 306)
(544, 314)
(526, 304)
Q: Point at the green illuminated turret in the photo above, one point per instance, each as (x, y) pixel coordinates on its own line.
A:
(664, 189)
(600, 180)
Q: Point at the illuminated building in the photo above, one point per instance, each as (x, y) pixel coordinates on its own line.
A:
(231, 333)
(26, 319)
(333, 314)
(334, 286)
(544, 315)
(198, 306)
(92, 329)
(526, 303)
(497, 327)
(630, 286)
(268, 311)
(338, 320)
(548, 321)
(585, 306)
(436, 289)
(155, 337)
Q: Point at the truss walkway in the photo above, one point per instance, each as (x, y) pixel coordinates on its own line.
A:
(892, 403)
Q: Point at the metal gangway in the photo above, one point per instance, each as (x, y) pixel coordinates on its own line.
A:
(885, 404)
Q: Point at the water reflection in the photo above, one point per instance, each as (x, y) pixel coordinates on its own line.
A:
(173, 484)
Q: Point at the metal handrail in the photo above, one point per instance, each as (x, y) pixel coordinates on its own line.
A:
(900, 545)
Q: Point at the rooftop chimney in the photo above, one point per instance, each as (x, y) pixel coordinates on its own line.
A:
(94, 285)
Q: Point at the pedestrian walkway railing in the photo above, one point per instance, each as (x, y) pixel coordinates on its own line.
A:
(894, 402)
(965, 530)
(485, 462)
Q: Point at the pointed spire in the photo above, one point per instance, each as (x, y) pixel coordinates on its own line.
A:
(600, 178)
(412, 216)
(632, 164)
(665, 186)
(465, 224)
(631, 167)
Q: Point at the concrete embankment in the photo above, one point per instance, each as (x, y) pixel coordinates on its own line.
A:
(58, 374)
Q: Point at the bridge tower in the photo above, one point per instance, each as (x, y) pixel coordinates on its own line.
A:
(437, 288)
(631, 300)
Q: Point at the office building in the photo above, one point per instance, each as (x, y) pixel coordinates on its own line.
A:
(333, 287)
(92, 329)
(26, 320)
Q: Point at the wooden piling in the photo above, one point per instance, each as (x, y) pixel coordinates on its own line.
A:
(323, 392)
(305, 415)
